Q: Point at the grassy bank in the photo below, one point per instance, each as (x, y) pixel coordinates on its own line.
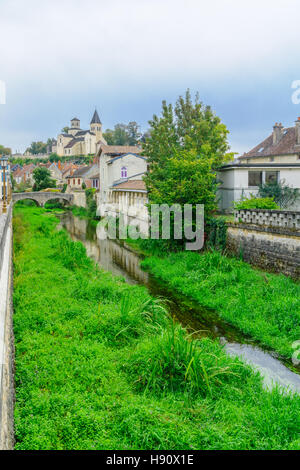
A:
(99, 365)
(265, 306)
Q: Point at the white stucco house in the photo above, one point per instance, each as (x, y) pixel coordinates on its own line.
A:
(277, 158)
(122, 189)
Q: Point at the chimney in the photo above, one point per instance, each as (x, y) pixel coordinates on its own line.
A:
(277, 132)
(297, 126)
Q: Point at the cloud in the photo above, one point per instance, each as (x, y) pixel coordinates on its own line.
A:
(59, 53)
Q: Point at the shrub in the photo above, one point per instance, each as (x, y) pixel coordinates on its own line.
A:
(283, 195)
(256, 203)
(217, 232)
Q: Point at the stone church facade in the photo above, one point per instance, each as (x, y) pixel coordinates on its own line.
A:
(81, 142)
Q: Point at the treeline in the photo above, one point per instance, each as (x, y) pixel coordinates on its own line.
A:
(124, 134)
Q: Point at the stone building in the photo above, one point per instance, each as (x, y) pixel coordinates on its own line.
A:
(80, 142)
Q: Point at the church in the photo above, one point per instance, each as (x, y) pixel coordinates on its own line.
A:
(77, 142)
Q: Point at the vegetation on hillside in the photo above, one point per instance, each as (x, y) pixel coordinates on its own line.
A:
(100, 366)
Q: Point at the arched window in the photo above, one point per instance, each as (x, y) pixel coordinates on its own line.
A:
(124, 172)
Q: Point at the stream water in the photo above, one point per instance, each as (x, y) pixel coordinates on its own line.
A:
(120, 260)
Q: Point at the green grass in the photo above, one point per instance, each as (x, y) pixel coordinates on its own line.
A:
(100, 366)
(262, 305)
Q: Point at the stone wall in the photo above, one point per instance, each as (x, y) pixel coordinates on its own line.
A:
(79, 198)
(267, 239)
(6, 334)
(269, 218)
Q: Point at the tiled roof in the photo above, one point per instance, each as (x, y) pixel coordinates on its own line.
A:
(286, 145)
(138, 185)
(119, 149)
(80, 172)
(73, 142)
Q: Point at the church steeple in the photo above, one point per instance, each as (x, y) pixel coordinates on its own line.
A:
(95, 118)
(96, 126)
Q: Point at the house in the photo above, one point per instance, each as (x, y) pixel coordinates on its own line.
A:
(80, 142)
(25, 174)
(122, 189)
(56, 173)
(277, 158)
(77, 178)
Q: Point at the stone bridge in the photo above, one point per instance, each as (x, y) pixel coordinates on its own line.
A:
(42, 197)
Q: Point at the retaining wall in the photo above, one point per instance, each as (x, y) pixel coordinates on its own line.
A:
(6, 334)
(267, 239)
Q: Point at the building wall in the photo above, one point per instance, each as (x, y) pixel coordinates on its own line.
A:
(111, 172)
(235, 184)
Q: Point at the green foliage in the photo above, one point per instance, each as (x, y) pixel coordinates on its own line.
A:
(187, 144)
(284, 195)
(5, 150)
(37, 148)
(91, 203)
(264, 306)
(256, 203)
(217, 232)
(54, 157)
(65, 130)
(99, 367)
(173, 362)
(123, 134)
(64, 188)
(42, 179)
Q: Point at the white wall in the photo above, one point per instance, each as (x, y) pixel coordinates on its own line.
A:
(235, 184)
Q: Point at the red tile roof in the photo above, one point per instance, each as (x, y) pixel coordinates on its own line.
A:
(132, 185)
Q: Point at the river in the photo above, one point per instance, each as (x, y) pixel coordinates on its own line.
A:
(120, 260)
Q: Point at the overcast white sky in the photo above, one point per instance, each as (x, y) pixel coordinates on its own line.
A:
(61, 58)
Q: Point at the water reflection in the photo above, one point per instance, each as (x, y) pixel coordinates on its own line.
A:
(119, 260)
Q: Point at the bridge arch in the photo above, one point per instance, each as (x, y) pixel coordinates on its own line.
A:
(42, 197)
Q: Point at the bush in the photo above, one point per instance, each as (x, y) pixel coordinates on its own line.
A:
(217, 232)
(256, 203)
(283, 195)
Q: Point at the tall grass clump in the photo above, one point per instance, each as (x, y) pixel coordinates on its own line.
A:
(174, 362)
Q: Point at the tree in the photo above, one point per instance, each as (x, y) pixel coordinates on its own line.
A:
(42, 179)
(284, 195)
(54, 157)
(133, 133)
(123, 134)
(185, 147)
(37, 147)
(5, 150)
(65, 130)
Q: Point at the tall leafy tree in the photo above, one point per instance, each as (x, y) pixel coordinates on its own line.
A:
(42, 179)
(186, 144)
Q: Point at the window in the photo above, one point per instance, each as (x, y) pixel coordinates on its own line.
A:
(73, 181)
(272, 177)
(254, 178)
(78, 180)
(124, 172)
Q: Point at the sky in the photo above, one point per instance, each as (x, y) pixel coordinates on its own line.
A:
(63, 58)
